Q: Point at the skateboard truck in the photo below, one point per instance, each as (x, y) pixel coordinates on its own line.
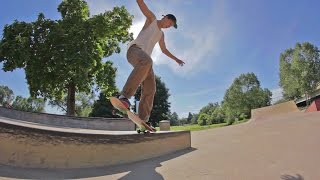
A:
(143, 127)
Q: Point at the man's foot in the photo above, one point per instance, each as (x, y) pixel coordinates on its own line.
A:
(125, 101)
(149, 124)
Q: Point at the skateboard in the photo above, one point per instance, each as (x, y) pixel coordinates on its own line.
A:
(143, 127)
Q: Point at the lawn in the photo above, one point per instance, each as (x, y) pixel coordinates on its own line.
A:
(196, 127)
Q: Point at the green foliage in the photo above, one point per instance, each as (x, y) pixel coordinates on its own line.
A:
(103, 107)
(210, 114)
(189, 119)
(183, 121)
(204, 119)
(161, 104)
(242, 116)
(65, 56)
(195, 127)
(174, 119)
(231, 119)
(244, 94)
(217, 115)
(29, 104)
(300, 70)
(74, 9)
(6, 95)
(194, 119)
(208, 109)
(83, 104)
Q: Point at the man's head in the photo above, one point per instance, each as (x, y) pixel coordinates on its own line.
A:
(169, 20)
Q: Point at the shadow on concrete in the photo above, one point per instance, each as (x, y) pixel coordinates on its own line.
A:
(138, 170)
(289, 177)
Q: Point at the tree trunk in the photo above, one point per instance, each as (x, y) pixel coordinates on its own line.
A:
(71, 99)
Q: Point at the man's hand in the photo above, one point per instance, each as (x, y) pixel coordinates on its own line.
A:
(146, 11)
(180, 62)
(167, 52)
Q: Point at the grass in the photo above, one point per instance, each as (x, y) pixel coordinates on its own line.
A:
(196, 127)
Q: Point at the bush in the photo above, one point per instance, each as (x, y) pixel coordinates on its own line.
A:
(243, 116)
(202, 120)
(231, 121)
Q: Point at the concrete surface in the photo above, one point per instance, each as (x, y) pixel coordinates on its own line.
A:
(284, 147)
(274, 111)
(110, 124)
(32, 145)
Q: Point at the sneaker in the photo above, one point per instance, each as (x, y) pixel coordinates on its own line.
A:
(149, 124)
(125, 102)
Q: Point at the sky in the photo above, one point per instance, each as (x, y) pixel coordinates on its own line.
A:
(218, 39)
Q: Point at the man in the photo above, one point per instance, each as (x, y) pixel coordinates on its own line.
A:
(139, 56)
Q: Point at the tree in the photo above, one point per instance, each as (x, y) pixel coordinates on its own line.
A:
(29, 104)
(209, 112)
(203, 119)
(194, 119)
(83, 104)
(190, 116)
(208, 108)
(6, 95)
(174, 119)
(300, 71)
(161, 105)
(217, 115)
(103, 108)
(244, 94)
(65, 56)
(183, 121)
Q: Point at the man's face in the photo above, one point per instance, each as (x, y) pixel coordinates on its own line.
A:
(167, 23)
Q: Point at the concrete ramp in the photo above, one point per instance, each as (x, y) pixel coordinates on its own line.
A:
(283, 148)
(273, 111)
(31, 145)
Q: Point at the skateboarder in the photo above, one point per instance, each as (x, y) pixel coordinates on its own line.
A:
(139, 56)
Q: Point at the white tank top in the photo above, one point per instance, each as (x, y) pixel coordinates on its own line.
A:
(147, 38)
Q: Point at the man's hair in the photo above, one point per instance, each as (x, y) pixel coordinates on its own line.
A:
(173, 18)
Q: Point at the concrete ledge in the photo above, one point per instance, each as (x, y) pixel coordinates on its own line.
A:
(117, 124)
(29, 145)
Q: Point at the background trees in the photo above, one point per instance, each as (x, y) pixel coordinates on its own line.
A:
(300, 71)
(64, 57)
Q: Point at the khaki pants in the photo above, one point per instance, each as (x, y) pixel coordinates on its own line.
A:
(142, 74)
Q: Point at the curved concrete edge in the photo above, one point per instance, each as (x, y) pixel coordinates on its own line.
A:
(121, 124)
(33, 146)
(274, 110)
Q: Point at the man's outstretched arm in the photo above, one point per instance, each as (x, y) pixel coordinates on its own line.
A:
(165, 51)
(146, 11)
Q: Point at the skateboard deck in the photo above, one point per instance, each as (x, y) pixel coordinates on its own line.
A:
(143, 127)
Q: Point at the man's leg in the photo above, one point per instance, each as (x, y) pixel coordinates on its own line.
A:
(142, 63)
(148, 90)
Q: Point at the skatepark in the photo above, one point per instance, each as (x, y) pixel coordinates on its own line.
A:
(279, 142)
(211, 91)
